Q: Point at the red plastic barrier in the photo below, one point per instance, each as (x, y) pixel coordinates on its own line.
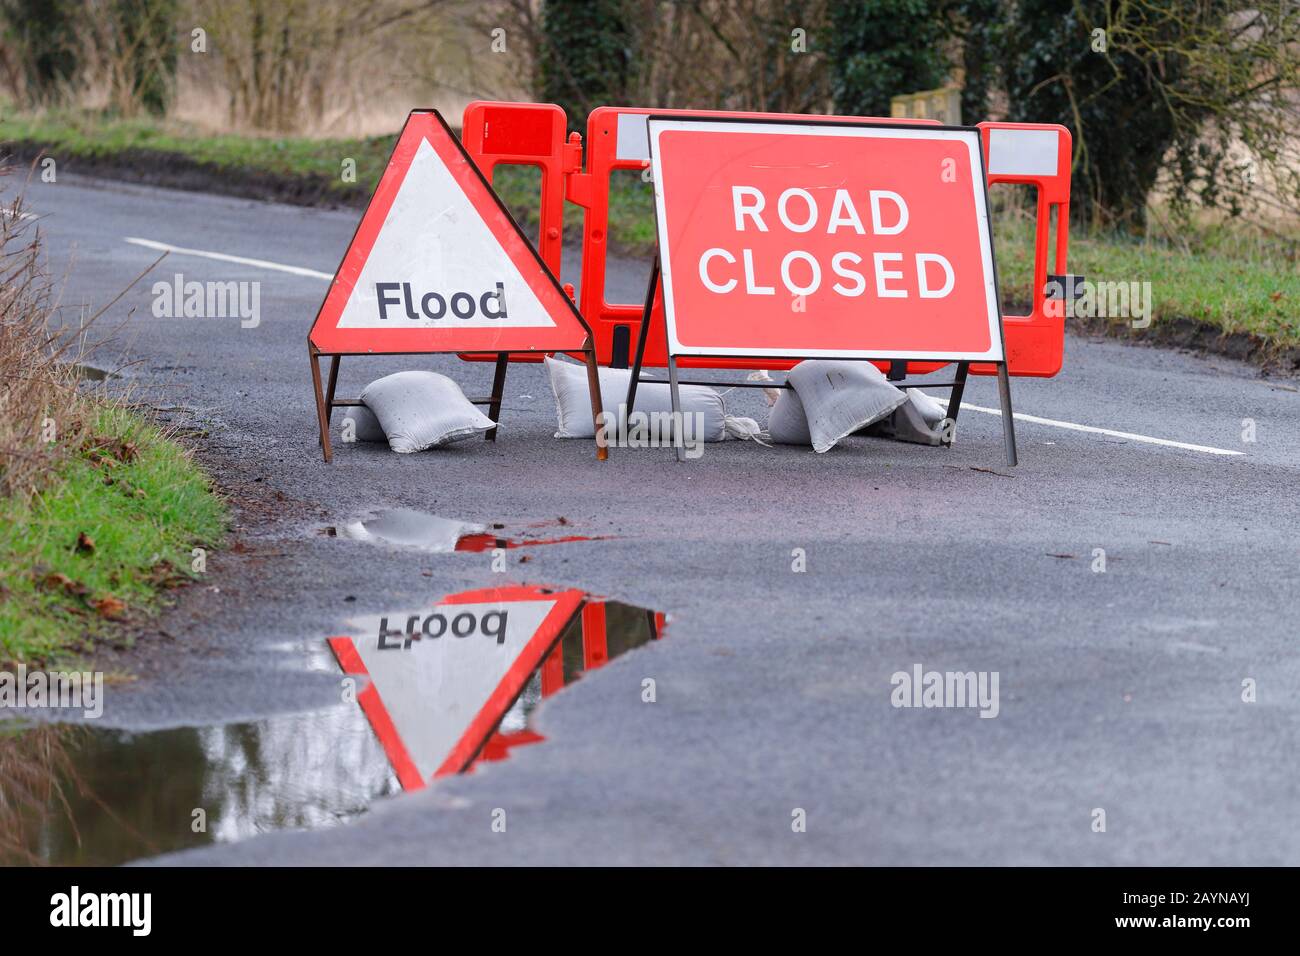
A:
(534, 134)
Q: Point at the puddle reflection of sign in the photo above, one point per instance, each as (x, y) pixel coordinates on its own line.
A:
(442, 679)
(824, 240)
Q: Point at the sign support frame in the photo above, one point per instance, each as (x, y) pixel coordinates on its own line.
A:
(957, 385)
(324, 394)
(326, 402)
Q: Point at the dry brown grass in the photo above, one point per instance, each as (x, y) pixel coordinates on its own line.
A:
(39, 405)
(34, 764)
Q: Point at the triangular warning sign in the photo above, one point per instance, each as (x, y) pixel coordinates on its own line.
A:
(438, 264)
(442, 679)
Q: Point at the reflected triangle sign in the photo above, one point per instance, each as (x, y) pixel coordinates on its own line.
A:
(441, 679)
(437, 264)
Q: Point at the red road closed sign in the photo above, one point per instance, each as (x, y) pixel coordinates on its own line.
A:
(824, 240)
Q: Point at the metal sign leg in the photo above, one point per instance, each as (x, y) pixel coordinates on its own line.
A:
(321, 417)
(1008, 419)
(954, 401)
(329, 389)
(678, 424)
(498, 393)
(642, 336)
(597, 409)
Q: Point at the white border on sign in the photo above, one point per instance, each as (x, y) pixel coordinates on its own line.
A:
(970, 137)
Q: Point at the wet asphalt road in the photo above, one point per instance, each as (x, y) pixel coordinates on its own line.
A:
(1119, 690)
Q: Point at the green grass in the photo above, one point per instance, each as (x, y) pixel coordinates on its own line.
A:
(142, 525)
(1218, 276)
(1244, 286)
(92, 136)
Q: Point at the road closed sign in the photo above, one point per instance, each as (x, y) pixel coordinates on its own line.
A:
(438, 265)
(824, 240)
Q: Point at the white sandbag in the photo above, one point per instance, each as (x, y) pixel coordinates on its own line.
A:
(787, 423)
(840, 398)
(573, 401)
(919, 419)
(419, 410)
(365, 426)
(931, 411)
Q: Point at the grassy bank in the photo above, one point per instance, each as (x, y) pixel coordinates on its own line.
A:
(96, 545)
(88, 139)
(1223, 279)
(1242, 286)
(98, 509)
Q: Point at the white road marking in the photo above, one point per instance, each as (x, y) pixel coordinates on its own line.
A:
(1019, 416)
(223, 257)
(1093, 429)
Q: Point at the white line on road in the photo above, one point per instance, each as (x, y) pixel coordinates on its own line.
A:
(1019, 416)
(223, 257)
(1129, 436)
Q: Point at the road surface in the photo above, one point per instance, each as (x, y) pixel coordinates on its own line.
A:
(1119, 690)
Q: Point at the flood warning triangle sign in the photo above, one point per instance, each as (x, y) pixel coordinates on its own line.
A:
(440, 680)
(437, 264)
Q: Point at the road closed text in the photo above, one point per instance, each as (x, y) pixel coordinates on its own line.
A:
(823, 240)
(851, 271)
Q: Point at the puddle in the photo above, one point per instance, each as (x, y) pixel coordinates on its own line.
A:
(407, 528)
(92, 373)
(438, 691)
(454, 683)
(75, 794)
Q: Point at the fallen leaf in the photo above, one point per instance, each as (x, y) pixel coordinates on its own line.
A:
(73, 587)
(85, 543)
(109, 607)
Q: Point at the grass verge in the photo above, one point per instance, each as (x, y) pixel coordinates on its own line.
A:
(1248, 290)
(95, 545)
(175, 154)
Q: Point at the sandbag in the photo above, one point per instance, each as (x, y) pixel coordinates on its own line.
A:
(573, 400)
(920, 419)
(365, 426)
(787, 423)
(419, 410)
(839, 398)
